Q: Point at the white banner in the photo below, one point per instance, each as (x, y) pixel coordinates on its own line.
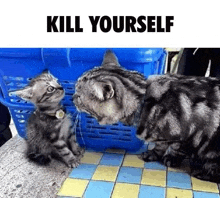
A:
(156, 23)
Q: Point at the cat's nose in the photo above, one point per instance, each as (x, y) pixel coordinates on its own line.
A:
(76, 99)
(75, 96)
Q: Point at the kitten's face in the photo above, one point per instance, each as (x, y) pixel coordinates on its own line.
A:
(43, 90)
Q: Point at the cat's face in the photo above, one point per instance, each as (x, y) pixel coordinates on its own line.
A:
(43, 90)
(102, 92)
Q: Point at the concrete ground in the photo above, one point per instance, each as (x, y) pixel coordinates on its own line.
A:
(20, 178)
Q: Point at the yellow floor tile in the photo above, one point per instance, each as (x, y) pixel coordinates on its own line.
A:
(154, 177)
(73, 187)
(178, 193)
(106, 173)
(200, 185)
(133, 160)
(125, 190)
(91, 158)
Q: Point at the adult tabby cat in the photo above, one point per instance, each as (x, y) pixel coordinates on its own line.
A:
(49, 128)
(180, 114)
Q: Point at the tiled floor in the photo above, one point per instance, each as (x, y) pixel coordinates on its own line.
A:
(119, 175)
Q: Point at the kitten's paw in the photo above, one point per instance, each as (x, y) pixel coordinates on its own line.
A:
(81, 151)
(39, 158)
(73, 163)
(149, 156)
(171, 161)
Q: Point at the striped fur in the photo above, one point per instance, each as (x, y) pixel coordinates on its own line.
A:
(180, 114)
(48, 136)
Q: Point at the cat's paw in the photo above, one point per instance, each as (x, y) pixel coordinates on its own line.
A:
(200, 174)
(149, 156)
(171, 161)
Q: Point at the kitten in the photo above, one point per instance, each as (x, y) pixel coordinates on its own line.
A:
(180, 114)
(49, 128)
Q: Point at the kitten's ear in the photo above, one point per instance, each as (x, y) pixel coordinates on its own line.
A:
(110, 59)
(103, 90)
(26, 93)
(47, 73)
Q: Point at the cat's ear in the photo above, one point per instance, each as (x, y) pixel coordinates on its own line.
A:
(110, 59)
(26, 93)
(103, 90)
(46, 71)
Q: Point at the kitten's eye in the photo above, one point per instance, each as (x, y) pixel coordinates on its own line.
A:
(50, 89)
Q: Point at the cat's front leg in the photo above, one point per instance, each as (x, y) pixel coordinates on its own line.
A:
(205, 169)
(66, 154)
(156, 154)
(174, 155)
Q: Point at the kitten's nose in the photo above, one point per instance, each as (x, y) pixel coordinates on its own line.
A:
(60, 88)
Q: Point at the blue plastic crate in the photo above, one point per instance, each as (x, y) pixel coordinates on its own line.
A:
(18, 66)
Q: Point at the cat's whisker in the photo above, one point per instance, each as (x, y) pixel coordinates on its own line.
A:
(166, 141)
(80, 129)
(90, 129)
(75, 123)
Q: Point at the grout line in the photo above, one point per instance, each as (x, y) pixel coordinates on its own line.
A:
(166, 182)
(139, 184)
(93, 174)
(118, 174)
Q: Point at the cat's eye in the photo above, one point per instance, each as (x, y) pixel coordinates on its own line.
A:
(84, 79)
(50, 89)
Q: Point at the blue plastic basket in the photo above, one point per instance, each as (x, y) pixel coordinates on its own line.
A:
(18, 66)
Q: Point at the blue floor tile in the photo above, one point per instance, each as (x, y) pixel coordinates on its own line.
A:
(178, 180)
(151, 192)
(112, 159)
(129, 175)
(154, 165)
(99, 189)
(205, 195)
(83, 171)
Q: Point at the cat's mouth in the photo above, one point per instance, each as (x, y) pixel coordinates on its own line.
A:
(91, 113)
